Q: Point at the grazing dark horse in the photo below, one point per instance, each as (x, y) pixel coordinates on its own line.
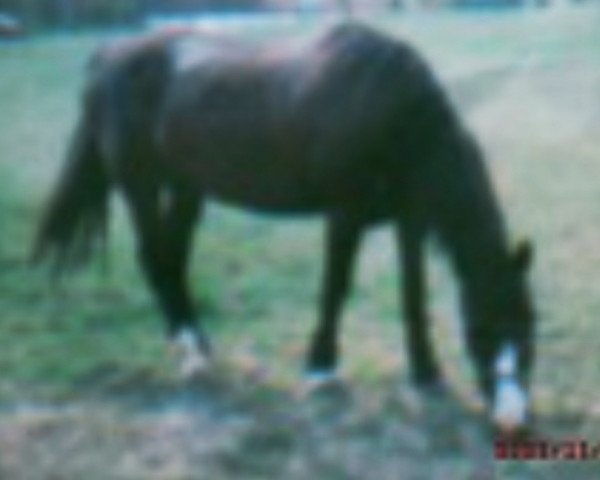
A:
(351, 125)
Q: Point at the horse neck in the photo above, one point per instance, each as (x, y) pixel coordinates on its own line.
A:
(470, 224)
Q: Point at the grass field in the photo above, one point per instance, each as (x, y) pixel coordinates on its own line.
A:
(86, 387)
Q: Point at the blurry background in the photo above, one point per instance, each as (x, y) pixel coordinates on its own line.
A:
(84, 13)
(86, 387)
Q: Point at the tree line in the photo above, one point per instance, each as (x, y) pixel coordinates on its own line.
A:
(74, 13)
(70, 13)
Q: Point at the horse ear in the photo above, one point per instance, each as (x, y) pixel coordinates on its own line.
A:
(523, 256)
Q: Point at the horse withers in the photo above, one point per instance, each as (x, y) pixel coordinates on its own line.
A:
(350, 124)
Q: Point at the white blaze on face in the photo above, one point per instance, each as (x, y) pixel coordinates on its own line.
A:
(510, 400)
(193, 360)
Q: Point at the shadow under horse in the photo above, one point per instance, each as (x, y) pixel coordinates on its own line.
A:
(350, 124)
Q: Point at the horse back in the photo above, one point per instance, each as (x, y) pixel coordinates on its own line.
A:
(290, 126)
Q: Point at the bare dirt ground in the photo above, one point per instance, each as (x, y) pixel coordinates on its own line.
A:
(229, 426)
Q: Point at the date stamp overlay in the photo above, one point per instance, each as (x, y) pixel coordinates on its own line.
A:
(576, 449)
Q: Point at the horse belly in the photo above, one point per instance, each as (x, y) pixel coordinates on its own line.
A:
(261, 183)
(253, 172)
(235, 160)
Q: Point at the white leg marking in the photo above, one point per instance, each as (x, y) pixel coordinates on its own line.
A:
(193, 360)
(316, 379)
(510, 400)
(506, 361)
(321, 376)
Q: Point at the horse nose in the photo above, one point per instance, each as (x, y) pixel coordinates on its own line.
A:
(510, 407)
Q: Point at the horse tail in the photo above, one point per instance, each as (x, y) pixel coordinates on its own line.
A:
(125, 90)
(75, 221)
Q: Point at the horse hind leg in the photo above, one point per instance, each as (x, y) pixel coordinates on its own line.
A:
(165, 234)
(182, 210)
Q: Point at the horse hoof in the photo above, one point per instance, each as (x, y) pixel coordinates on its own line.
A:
(192, 359)
(432, 388)
(193, 365)
(318, 380)
(326, 390)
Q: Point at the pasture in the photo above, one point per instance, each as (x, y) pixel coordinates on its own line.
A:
(87, 389)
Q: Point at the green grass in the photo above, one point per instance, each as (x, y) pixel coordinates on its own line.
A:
(259, 278)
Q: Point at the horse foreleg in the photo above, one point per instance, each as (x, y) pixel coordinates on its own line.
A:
(424, 369)
(342, 239)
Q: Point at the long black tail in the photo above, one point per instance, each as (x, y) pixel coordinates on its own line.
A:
(75, 220)
(128, 92)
